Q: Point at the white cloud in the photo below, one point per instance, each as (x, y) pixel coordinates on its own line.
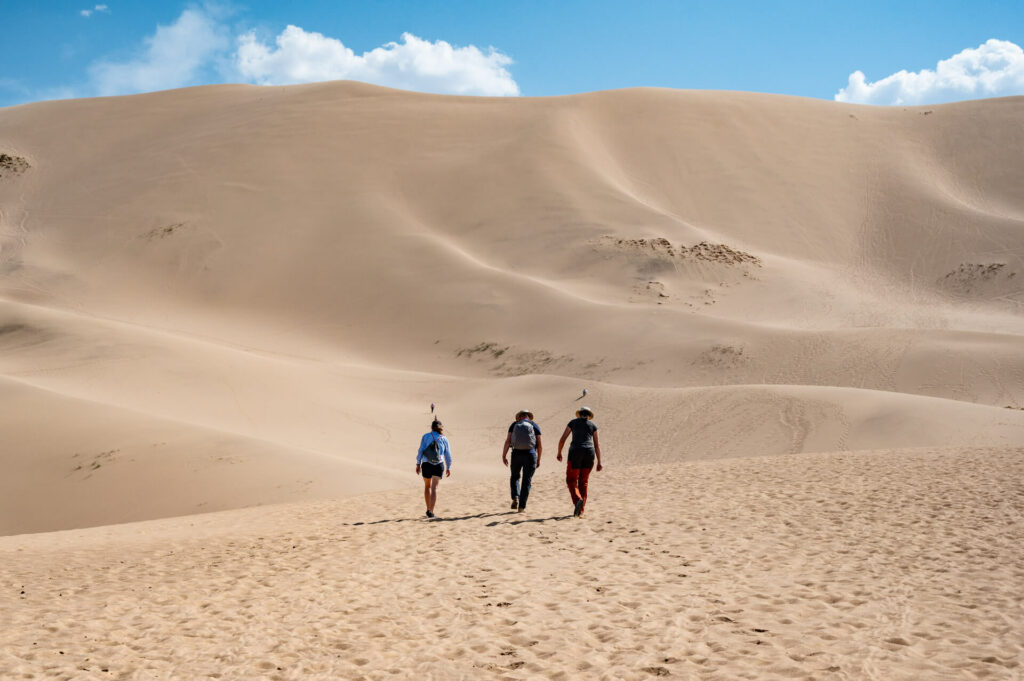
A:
(199, 48)
(97, 8)
(993, 69)
(414, 64)
(174, 56)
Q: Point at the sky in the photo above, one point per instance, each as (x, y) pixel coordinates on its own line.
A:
(889, 52)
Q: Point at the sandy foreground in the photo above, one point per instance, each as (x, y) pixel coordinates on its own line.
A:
(899, 564)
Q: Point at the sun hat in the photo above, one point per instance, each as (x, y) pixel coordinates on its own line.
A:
(585, 412)
(525, 412)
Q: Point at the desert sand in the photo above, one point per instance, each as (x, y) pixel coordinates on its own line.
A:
(225, 312)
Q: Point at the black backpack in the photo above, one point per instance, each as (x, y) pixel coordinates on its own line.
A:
(432, 452)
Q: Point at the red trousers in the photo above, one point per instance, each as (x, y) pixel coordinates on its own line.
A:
(576, 479)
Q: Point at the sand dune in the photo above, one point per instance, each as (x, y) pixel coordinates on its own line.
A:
(310, 266)
(799, 322)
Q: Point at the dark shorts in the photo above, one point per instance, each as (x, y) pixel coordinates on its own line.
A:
(581, 457)
(430, 470)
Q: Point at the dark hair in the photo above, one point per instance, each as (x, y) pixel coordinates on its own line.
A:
(437, 426)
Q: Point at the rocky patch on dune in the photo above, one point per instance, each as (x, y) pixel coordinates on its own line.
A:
(503, 360)
(12, 166)
(650, 290)
(990, 279)
(722, 357)
(704, 251)
(163, 232)
(483, 350)
(689, 269)
(719, 253)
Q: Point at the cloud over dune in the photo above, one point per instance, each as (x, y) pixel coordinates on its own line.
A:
(174, 56)
(299, 56)
(993, 69)
(200, 47)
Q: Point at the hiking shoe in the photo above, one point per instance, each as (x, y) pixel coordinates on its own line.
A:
(578, 509)
(515, 504)
(430, 514)
(522, 508)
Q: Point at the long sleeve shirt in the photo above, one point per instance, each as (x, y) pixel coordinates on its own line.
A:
(446, 449)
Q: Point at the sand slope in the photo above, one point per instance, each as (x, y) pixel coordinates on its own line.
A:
(272, 284)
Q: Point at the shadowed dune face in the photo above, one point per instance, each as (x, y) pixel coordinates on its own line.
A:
(305, 267)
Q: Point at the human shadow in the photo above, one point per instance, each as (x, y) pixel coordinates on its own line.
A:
(434, 519)
(469, 517)
(527, 520)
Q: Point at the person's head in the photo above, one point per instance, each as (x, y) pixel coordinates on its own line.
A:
(585, 413)
(437, 426)
(524, 414)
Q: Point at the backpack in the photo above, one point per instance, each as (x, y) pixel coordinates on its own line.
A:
(523, 435)
(432, 452)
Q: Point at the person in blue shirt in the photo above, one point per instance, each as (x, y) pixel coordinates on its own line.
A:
(524, 439)
(433, 459)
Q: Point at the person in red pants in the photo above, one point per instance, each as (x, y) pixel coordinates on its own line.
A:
(583, 450)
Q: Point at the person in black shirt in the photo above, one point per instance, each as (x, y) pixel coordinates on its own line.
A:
(584, 451)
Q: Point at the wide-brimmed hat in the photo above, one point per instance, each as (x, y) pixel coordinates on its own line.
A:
(585, 413)
(525, 412)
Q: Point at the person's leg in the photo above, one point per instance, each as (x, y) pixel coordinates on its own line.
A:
(515, 467)
(529, 466)
(572, 477)
(432, 493)
(584, 479)
(426, 493)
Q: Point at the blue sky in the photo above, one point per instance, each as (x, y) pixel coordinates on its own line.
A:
(896, 52)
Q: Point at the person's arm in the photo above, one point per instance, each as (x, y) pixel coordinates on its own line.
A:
(504, 450)
(540, 449)
(447, 458)
(419, 456)
(597, 450)
(561, 442)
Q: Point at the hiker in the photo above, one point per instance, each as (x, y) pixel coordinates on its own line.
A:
(582, 451)
(524, 439)
(433, 458)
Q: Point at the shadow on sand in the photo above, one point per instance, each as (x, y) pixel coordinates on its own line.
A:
(465, 517)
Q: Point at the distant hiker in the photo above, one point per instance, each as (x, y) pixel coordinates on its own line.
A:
(582, 451)
(431, 407)
(584, 392)
(524, 439)
(433, 458)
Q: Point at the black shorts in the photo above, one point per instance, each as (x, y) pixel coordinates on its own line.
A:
(581, 457)
(429, 470)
